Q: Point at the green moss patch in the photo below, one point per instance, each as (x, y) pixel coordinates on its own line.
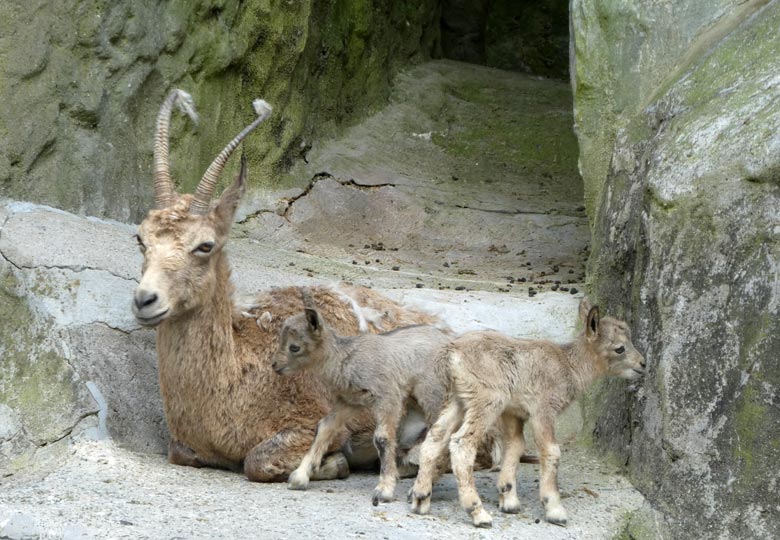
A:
(35, 381)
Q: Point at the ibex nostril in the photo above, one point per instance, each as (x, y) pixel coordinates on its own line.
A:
(144, 299)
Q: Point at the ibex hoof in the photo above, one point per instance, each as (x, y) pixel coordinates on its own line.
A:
(298, 480)
(510, 507)
(481, 518)
(421, 502)
(381, 496)
(333, 466)
(556, 515)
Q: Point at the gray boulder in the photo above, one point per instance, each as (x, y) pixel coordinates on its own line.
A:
(678, 114)
(73, 356)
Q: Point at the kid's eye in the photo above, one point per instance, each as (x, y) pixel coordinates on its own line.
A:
(205, 247)
(620, 350)
(294, 348)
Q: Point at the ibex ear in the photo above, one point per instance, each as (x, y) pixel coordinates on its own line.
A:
(308, 301)
(585, 306)
(313, 318)
(592, 323)
(228, 202)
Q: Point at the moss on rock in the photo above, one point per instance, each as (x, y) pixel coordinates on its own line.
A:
(81, 83)
(624, 54)
(36, 382)
(538, 144)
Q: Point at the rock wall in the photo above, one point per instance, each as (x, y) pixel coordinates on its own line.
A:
(529, 36)
(677, 107)
(81, 83)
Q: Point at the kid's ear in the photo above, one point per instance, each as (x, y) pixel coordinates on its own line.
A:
(313, 318)
(308, 301)
(585, 306)
(592, 323)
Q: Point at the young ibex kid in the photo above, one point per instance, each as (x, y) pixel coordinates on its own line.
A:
(497, 378)
(375, 371)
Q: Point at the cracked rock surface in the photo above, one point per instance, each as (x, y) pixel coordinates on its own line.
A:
(69, 340)
(467, 178)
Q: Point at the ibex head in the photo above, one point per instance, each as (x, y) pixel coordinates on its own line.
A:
(610, 339)
(182, 238)
(301, 343)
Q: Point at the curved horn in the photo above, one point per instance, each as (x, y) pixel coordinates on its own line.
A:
(205, 190)
(163, 185)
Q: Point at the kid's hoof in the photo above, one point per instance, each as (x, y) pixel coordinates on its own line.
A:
(556, 516)
(481, 518)
(510, 508)
(298, 480)
(421, 502)
(555, 521)
(380, 496)
(507, 499)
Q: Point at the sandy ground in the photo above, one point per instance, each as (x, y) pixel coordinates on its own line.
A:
(102, 491)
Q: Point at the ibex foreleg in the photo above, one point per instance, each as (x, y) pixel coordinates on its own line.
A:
(179, 454)
(327, 429)
(388, 416)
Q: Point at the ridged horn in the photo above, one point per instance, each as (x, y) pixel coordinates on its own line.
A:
(205, 190)
(163, 185)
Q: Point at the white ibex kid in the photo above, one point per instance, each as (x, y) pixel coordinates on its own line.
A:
(375, 371)
(497, 378)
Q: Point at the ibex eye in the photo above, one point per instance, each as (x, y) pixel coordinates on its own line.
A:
(205, 247)
(141, 244)
(620, 350)
(294, 348)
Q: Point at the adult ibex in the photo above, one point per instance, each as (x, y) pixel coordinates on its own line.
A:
(224, 404)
